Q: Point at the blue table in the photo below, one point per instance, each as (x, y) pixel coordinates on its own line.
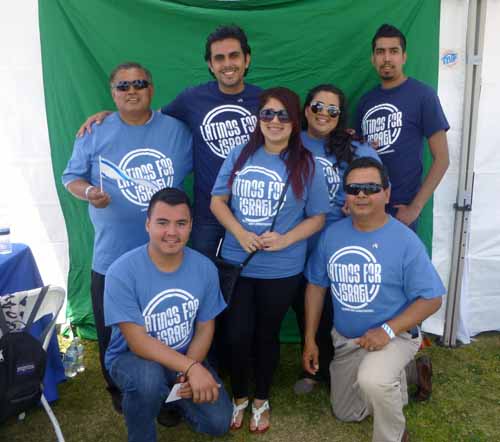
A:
(18, 271)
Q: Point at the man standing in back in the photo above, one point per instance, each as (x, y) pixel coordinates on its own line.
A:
(396, 117)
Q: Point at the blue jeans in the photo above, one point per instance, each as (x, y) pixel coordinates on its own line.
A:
(145, 385)
(205, 238)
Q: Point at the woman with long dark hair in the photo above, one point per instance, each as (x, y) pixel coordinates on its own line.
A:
(245, 200)
(334, 147)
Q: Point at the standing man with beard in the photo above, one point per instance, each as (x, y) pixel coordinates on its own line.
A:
(221, 115)
(396, 116)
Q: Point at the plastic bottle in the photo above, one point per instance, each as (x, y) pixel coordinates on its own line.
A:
(79, 365)
(5, 245)
(69, 360)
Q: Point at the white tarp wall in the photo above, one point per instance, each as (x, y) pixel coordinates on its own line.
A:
(28, 200)
(29, 204)
(483, 259)
(480, 296)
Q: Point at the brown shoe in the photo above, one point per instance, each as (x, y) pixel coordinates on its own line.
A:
(424, 376)
(406, 436)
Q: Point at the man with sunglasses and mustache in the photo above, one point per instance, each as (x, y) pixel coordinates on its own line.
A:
(117, 168)
(396, 117)
(383, 285)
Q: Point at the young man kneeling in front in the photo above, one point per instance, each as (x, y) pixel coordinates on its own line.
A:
(161, 300)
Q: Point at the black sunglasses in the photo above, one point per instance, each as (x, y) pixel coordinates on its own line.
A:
(136, 84)
(366, 188)
(318, 106)
(267, 115)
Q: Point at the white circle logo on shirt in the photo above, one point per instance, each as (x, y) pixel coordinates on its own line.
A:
(258, 191)
(227, 126)
(140, 174)
(382, 123)
(332, 177)
(355, 276)
(170, 316)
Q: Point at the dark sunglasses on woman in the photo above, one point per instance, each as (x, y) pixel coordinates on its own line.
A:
(267, 115)
(318, 106)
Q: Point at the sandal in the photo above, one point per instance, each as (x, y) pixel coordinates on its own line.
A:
(237, 409)
(256, 415)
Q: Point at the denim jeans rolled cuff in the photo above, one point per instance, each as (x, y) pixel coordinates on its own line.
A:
(205, 238)
(145, 385)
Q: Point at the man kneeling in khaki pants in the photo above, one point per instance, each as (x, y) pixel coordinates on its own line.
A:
(383, 285)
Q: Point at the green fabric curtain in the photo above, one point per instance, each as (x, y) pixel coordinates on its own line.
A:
(297, 44)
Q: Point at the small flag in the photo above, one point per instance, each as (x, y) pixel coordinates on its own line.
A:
(112, 171)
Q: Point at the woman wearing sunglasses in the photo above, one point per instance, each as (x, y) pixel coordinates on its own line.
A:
(245, 200)
(334, 147)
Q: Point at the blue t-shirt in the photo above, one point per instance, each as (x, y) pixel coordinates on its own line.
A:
(255, 195)
(334, 172)
(373, 276)
(219, 122)
(159, 152)
(167, 304)
(399, 118)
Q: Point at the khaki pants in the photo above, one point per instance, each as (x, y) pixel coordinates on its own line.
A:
(364, 383)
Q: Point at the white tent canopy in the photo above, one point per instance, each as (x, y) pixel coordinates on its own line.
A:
(30, 206)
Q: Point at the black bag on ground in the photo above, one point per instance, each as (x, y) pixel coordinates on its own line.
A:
(22, 366)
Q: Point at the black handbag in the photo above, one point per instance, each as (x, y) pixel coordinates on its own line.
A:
(229, 272)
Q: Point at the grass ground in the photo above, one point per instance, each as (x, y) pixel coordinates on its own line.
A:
(464, 407)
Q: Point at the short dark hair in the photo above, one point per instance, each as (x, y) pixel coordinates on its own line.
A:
(171, 196)
(222, 33)
(389, 31)
(130, 65)
(365, 163)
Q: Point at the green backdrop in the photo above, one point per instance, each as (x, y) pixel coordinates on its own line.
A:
(297, 44)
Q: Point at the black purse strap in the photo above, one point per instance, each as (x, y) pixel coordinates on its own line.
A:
(280, 202)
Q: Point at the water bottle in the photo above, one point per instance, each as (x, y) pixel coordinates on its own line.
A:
(79, 355)
(69, 361)
(5, 245)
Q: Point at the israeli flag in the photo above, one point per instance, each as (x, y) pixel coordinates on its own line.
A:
(112, 171)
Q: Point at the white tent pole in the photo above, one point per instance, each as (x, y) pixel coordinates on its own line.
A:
(474, 47)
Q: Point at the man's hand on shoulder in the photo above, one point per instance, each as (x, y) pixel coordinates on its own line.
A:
(87, 126)
(204, 388)
(99, 199)
(374, 339)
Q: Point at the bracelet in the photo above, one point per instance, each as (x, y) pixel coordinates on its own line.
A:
(387, 328)
(189, 368)
(87, 190)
